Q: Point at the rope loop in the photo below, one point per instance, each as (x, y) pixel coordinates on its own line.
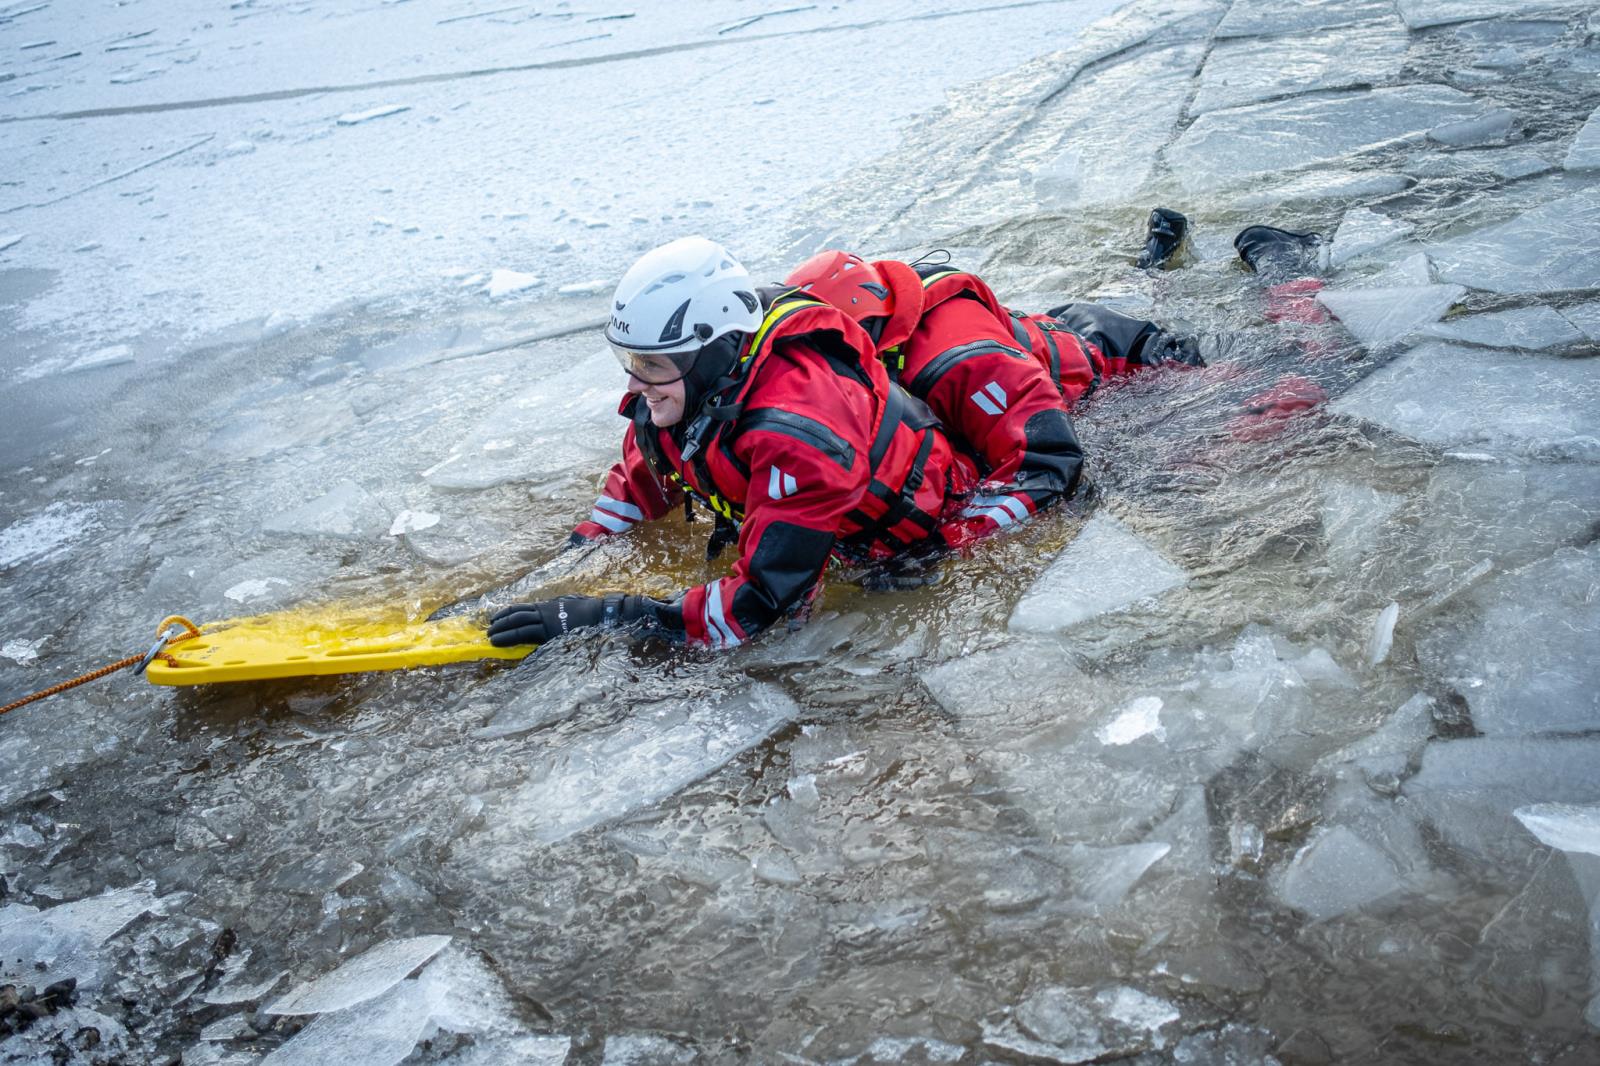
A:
(191, 631)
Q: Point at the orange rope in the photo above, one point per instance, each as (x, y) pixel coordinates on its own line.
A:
(120, 664)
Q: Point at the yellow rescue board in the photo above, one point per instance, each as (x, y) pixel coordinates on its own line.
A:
(308, 643)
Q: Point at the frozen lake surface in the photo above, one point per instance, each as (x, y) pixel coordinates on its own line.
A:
(1281, 747)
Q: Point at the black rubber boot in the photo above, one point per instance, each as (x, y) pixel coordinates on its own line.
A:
(1277, 253)
(1166, 234)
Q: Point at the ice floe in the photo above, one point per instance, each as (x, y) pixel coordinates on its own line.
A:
(605, 774)
(1529, 328)
(1224, 147)
(1249, 70)
(1338, 872)
(1108, 567)
(1453, 396)
(1364, 230)
(1546, 248)
(1514, 663)
(1585, 151)
(1377, 317)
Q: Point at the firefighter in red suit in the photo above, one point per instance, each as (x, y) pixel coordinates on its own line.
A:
(771, 409)
(1001, 382)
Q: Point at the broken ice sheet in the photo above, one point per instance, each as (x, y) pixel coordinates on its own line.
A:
(42, 947)
(362, 978)
(1421, 14)
(1450, 396)
(1224, 147)
(379, 1030)
(1547, 248)
(1141, 718)
(1338, 872)
(45, 534)
(506, 282)
(1585, 151)
(1519, 656)
(648, 757)
(1248, 70)
(1353, 517)
(1106, 568)
(1377, 317)
(1528, 328)
(1250, 18)
(1364, 230)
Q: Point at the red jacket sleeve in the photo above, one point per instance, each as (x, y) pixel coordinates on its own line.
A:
(632, 494)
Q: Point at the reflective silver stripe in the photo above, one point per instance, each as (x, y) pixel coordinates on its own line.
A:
(998, 515)
(1018, 509)
(621, 507)
(780, 484)
(716, 624)
(611, 522)
(985, 404)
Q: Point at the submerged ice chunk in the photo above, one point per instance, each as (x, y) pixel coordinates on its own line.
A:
(1223, 147)
(649, 757)
(346, 510)
(1338, 872)
(1452, 396)
(646, 1049)
(1548, 248)
(1364, 230)
(1382, 316)
(1353, 517)
(1469, 788)
(364, 977)
(1106, 568)
(1326, 185)
(1529, 328)
(1563, 826)
(1524, 657)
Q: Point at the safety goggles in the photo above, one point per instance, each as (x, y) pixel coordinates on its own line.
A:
(656, 368)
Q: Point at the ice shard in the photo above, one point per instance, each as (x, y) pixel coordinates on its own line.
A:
(1364, 230)
(1377, 317)
(649, 757)
(1108, 567)
(364, 977)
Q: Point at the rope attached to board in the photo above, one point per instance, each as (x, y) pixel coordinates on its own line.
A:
(167, 633)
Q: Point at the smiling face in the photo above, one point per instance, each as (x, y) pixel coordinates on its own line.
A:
(666, 402)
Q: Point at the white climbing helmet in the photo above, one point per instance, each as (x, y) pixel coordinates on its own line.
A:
(674, 301)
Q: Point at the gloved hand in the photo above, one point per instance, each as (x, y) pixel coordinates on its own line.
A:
(536, 623)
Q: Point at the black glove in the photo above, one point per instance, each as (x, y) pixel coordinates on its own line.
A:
(536, 623)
